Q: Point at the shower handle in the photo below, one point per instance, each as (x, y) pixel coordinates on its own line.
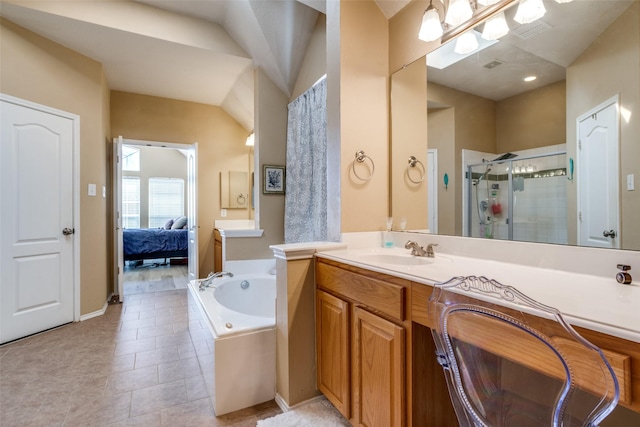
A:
(610, 233)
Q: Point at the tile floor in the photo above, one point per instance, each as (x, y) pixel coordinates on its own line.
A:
(140, 364)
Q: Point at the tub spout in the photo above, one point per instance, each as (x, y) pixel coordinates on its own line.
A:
(205, 283)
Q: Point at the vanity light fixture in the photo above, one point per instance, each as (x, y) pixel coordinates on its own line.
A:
(250, 140)
(529, 11)
(495, 27)
(457, 12)
(431, 28)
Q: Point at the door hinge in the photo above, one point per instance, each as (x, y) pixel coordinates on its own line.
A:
(579, 144)
(580, 216)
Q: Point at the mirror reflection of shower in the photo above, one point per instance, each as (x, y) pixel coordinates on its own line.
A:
(484, 218)
(516, 195)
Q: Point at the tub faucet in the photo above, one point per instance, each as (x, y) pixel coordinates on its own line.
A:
(205, 283)
(418, 250)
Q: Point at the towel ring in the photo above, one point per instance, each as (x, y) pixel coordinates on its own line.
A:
(241, 199)
(412, 164)
(360, 158)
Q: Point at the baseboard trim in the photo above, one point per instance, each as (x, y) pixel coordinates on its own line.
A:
(286, 408)
(97, 312)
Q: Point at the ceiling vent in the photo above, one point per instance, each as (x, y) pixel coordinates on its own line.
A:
(528, 31)
(493, 64)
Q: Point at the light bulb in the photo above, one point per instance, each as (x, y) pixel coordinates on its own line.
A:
(495, 27)
(466, 43)
(431, 28)
(529, 10)
(459, 12)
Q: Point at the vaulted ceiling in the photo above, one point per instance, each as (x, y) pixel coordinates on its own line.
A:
(191, 50)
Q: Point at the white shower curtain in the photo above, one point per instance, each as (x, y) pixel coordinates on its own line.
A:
(305, 218)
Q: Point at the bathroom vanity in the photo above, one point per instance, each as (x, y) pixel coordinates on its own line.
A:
(375, 353)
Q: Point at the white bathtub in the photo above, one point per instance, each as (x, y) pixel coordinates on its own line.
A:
(233, 310)
(242, 324)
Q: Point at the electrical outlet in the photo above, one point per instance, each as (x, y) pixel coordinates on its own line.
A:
(223, 213)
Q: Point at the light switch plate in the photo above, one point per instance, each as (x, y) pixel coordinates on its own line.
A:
(92, 190)
(104, 192)
(631, 184)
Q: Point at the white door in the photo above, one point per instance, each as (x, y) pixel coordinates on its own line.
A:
(597, 177)
(118, 254)
(192, 210)
(37, 216)
(432, 183)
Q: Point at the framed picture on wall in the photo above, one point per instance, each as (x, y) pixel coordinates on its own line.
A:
(273, 179)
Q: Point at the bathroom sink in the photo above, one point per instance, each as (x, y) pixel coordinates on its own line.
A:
(395, 259)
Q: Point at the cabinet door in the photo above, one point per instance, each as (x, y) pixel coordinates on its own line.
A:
(378, 371)
(332, 341)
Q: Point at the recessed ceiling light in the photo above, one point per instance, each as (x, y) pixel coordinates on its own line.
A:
(530, 78)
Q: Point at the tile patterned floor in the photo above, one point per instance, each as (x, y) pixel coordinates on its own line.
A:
(140, 364)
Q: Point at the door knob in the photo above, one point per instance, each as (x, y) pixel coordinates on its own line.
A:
(610, 233)
(67, 231)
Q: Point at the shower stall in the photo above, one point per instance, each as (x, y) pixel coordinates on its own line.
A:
(518, 197)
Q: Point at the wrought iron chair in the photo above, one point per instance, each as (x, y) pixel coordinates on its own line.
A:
(511, 361)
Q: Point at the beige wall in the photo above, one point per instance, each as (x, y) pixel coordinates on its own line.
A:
(533, 119)
(441, 136)
(409, 138)
(404, 45)
(610, 66)
(270, 149)
(364, 114)
(220, 147)
(38, 70)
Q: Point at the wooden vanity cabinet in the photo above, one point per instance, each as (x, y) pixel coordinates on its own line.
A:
(361, 331)
(333, 353)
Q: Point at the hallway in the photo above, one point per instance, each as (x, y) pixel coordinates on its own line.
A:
(135, 365)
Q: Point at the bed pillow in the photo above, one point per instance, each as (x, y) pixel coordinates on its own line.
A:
(168, 224)
(179, 223)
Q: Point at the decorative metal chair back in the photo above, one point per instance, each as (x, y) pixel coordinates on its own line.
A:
(516, 362)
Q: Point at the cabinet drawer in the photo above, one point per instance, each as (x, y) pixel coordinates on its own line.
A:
(379, 295)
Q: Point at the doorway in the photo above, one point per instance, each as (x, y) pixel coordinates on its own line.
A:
(155, 218)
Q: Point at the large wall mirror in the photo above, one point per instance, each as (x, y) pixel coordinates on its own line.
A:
(552, 158)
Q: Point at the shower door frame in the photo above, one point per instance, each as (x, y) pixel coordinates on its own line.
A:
(509, 188)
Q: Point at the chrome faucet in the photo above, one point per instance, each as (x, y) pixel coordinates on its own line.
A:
(205, 283)
(430, 252)
(418, 250)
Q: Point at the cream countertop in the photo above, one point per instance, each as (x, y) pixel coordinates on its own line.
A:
(592, 301)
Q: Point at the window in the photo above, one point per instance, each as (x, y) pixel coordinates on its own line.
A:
(166, 200)
(130, 158)
(130, 202)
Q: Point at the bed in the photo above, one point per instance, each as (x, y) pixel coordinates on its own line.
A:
(153, 243)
